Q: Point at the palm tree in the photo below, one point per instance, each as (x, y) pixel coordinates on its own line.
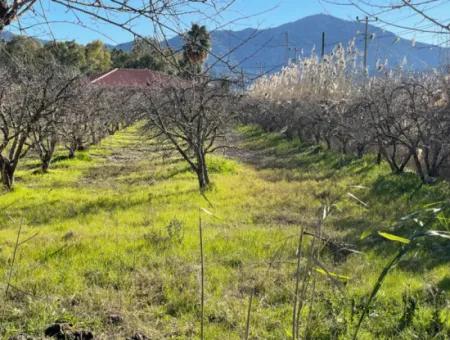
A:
(197, 45)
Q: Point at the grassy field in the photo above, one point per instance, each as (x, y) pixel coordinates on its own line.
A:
(109, 242)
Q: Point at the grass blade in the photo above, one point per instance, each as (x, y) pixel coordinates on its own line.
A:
(393, 237)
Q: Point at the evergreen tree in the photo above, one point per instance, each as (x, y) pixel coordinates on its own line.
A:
(195, 50)
(98, 58)
(69, 53)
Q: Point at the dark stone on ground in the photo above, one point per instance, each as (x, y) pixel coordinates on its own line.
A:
(115, 319)
(69, 235)
(138, 336)
(58, 329)
(84, 335)
(64, 331)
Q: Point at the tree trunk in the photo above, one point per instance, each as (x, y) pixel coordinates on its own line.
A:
(47, 156)
(379, 151)
(72, 147)
(45, 164)
(71, 152)
(389, 158)
(94, 139)
(317, 138)
(360, 148)
(45, 161)
(419, 167)
(202, 172)
(344, 147)
(405, 162)
(396, 162)
(438, 157)
(7, 173)
(203, 178)
(379, 158)
(328, 143)
(79, 145)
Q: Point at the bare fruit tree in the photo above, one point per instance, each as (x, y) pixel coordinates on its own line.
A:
(192, 116)
(414, 122)
(119, 107)
(30, 101)
(58, 91)
(400, 115)
(79, 119)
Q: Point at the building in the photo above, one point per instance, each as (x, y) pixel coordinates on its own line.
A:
(132, 78)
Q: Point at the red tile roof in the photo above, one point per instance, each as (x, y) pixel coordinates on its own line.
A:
(131, 78)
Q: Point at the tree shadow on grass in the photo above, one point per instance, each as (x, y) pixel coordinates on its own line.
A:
(33, 165)
(392, 186)
(274, 151)
(43, 213)
(158, 160)
(389, 196)
(172, 172)
(61, 158)
(444, 284)
(47, 212)
(108, 172)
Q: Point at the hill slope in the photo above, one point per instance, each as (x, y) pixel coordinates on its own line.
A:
(265, 50)
(6, 36)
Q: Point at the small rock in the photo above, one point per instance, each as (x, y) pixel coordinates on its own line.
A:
(138, 336)
(74, 301)
(58, 330)
(68, 235)
(83, 335)
(62, 330)
(115, 319)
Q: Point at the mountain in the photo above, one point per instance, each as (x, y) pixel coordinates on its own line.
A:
(6, 36)
(259, 51)
(267, 50)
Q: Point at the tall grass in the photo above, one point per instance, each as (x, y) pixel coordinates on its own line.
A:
(13, 261)
(408, 246)
(249, 313)
(202, 277)
(139, 246)
(297, 284)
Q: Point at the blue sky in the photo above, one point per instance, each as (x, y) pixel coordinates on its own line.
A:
(244, 13)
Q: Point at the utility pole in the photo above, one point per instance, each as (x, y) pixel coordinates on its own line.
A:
(242, 81)
(322, 51)
(366, 36)
(296, 51)
(286, 44)
(261, 69)
(446, 58)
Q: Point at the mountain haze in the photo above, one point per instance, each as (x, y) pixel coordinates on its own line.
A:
(6, 36)
(266, 50)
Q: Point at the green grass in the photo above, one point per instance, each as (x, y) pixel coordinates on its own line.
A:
(115, 231)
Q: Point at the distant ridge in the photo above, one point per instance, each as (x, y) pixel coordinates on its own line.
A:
(267, 51)
(6, 36)
(264, 51)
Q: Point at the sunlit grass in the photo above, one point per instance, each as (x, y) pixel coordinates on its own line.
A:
(101, 242)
